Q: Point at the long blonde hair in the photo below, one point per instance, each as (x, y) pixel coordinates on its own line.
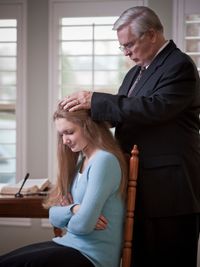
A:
(98, 134)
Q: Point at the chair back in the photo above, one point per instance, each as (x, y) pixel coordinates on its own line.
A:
(130, 207)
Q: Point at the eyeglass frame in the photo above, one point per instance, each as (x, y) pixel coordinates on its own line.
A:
(129, 45)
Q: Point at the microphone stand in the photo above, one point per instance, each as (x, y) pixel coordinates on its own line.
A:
(18, 194)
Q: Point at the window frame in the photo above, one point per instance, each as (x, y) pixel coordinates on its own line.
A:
(16, 9)
(180, 9)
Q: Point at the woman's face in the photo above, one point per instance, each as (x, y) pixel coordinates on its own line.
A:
(72, 134)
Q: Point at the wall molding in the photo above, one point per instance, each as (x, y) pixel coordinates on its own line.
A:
(21, 222)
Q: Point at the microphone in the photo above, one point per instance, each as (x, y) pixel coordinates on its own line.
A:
(18, 194)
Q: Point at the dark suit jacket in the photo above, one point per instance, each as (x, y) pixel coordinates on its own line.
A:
(162, 118)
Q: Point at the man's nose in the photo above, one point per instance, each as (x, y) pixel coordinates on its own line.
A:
(127, 52)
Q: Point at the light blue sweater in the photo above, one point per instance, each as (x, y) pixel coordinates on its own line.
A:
(97, 192)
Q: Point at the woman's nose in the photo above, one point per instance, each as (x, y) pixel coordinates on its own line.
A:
(66, 141)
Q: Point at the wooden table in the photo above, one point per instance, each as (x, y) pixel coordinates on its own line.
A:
(24, 207)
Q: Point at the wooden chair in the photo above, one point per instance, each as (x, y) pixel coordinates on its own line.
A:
(130, 208)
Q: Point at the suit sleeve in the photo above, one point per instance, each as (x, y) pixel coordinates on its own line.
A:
(167, 93)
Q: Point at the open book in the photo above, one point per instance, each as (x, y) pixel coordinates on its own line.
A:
(31, 186)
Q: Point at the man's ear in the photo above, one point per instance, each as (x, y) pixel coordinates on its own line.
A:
(153, 35)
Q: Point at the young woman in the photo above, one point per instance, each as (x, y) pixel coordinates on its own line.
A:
(88, 199)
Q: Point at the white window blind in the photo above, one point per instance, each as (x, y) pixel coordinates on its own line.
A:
(8, 57)
(186, 28)
(12, 90)
(192, 37)
(89, 57)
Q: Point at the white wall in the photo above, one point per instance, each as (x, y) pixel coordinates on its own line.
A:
(37, 87)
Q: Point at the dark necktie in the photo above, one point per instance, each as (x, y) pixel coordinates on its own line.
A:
(136, 80)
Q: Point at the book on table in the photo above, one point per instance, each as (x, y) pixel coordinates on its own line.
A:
(31, 186)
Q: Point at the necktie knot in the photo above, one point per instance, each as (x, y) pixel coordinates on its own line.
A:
(142, 69)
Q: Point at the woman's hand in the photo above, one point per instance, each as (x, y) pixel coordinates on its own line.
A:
(101, 223)
(66, 200)
(75, 208)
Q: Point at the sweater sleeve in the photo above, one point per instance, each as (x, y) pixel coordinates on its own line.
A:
(104, 176)
(59, 216)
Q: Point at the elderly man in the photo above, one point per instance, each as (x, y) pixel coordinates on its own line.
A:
(157, 108)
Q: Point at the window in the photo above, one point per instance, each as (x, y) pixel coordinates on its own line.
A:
(8, 57)
(192, 37)
(12, 91)
(89, 56)
(187, 28)
(84, 53)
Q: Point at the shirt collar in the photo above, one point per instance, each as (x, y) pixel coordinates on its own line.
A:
(162, 47)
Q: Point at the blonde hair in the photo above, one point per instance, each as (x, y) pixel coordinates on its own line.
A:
(99, 135)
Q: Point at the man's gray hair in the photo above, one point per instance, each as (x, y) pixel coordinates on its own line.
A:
(140, 19)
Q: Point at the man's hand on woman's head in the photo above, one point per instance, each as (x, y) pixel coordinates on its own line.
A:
(77, 101)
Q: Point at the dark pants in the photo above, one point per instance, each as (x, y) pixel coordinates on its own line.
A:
(166, 242)
(46, 254)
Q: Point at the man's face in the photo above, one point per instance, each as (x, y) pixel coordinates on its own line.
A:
(139, 49)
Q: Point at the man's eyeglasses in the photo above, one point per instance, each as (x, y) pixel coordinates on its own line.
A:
(129, 45)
